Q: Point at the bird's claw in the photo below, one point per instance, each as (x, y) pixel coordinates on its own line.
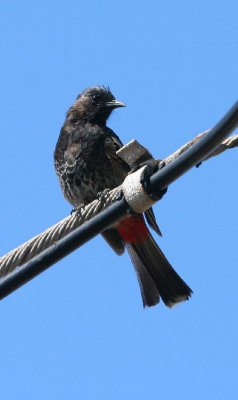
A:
(101, 196)
(78, 210)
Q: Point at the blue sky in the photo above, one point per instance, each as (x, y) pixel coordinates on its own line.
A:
(79, 329)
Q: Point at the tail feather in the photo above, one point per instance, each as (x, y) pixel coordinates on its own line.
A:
(156, 276)
(149, 291)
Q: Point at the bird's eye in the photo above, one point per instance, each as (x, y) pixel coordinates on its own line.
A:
(94, 98)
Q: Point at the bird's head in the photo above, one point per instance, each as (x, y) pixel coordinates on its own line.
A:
(94, 104)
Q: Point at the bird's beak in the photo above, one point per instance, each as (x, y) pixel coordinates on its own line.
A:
(115, 104)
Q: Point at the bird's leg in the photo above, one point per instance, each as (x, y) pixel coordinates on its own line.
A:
(102, 196)
(78, 210)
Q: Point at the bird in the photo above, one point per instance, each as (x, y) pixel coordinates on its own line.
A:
(86, 164)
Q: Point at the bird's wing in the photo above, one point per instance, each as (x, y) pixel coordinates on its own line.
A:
(150, 218)
(112, 143)
(114, 240)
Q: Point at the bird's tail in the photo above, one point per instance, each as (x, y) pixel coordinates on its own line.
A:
(155, 275)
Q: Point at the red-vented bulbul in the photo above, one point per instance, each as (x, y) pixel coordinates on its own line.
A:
(86, 164)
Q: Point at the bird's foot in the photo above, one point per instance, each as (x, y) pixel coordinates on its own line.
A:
(78, 210)
(102, 196)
